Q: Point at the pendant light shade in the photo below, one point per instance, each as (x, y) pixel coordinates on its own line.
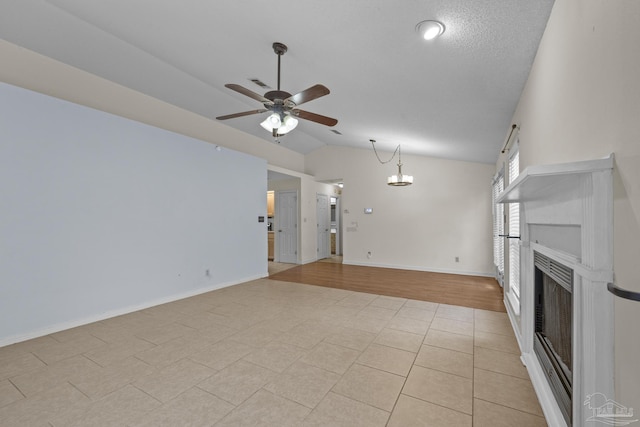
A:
(400, 180)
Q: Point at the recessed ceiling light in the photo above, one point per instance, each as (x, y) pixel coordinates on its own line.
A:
(429, 30)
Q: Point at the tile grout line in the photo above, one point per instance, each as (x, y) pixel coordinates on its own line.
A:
(473, 373)
(366, 348)
(407, 377)
(514, 409)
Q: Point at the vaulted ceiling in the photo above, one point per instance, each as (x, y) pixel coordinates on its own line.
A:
(452, 97)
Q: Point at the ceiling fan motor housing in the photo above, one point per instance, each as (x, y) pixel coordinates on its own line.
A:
(277, 94)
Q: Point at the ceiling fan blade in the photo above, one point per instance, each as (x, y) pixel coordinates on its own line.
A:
(308, 94)
(323, 120)
(247, 92)
(244, 113)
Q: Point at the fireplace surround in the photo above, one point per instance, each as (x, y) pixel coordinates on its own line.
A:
(566, 215)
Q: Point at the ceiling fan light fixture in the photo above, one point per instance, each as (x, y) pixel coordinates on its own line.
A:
(271, 122)
(288, 124)
(430, 29)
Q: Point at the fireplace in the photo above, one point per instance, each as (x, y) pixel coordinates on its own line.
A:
(552, 342)
(566, 214)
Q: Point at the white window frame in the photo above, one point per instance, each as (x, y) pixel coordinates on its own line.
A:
(513, 230)
(497, 187)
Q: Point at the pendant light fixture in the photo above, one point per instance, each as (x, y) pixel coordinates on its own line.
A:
(398, 180)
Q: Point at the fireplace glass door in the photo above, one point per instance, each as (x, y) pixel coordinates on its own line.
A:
(553, 342)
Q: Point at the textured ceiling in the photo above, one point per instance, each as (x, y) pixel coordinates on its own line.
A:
(453, 97)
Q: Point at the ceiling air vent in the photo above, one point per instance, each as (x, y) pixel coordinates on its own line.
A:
(260, 83)
(337, 132)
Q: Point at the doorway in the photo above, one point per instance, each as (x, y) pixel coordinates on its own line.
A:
(283, 230)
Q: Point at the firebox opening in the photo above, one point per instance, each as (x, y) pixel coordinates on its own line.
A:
(553, 285)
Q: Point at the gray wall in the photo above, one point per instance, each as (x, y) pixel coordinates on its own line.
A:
(101, 215)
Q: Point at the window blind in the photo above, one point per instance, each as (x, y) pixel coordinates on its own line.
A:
(514, 229)
(498, 226)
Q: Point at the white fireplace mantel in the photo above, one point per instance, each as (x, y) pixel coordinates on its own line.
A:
(564, 206)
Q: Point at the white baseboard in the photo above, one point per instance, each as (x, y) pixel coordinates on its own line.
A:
(118, 312)
(513, 319)
(419, 268)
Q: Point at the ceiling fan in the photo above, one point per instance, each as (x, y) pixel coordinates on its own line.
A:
(282, 104)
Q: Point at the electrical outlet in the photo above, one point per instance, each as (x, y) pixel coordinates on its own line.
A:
(207, 273)
(457, 259)
(369, 254)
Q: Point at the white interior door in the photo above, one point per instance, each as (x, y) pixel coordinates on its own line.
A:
(287, 227)
(324, 226)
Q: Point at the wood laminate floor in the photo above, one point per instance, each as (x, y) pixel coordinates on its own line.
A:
(468, 291)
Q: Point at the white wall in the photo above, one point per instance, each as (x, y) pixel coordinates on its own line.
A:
(582, 102)
(445, 214)
(101, 215)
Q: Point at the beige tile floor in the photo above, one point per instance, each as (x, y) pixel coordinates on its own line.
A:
(269, 353)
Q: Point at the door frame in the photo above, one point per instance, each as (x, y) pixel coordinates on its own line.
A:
(337, 223)
(327, 253)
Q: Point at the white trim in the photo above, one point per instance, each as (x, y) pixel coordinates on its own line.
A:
(119, 312)
(513, 319)
(513, 302)
(538, 181)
